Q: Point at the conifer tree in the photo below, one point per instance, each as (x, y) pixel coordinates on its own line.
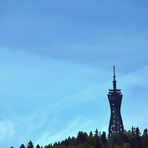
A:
(145, 139)
(38, 146)
(30, 144)
(97, 139)
(22, 146)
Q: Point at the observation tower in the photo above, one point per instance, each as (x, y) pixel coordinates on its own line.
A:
(115, 100)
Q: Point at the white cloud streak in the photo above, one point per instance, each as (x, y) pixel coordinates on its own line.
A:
(7, 130)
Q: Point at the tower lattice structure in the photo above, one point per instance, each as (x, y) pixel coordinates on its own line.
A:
(115, 100)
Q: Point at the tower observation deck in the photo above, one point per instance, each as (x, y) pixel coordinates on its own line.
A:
(115, 100)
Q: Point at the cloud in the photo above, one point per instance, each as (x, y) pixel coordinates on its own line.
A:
(45, 119)
(135, 103)
(135, 80)
(71, 129)
(127, 81)
(7, 130)
(70, 101)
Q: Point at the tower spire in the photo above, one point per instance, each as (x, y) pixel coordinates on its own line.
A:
(114, 79)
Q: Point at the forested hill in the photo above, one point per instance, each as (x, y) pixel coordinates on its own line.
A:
(129, 139)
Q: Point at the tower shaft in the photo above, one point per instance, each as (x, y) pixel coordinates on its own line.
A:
(115, 100)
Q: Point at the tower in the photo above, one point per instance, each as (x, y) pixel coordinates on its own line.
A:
(115, 100)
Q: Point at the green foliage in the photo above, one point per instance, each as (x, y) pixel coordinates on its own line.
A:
(128, 139)
(145, 139)
(82, 137)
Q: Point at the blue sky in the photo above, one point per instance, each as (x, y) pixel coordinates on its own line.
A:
(56, 62)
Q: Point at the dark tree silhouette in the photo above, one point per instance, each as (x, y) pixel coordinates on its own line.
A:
(145, 139)
(97, 139)
(38, 146)
(90, 134)
(82, 137)
(128, 139)
(103, 140)
(136, 139)
(22, 146)
(30, 145)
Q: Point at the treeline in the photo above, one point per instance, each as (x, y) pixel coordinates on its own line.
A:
(129, 139)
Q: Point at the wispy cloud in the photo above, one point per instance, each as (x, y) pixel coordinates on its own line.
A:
(7, 130)
(134, 87)
(71, 129)
(37, 120)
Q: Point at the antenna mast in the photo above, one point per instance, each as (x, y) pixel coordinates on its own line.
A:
(114, 79)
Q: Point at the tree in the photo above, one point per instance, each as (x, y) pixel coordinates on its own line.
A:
(96, 133)
(50, 145)
(82, 137)
(145, 139)
(103, 140)
(137, 132)
(97, 139)
(90, 134)
(22, 146)
(145, 132)
(30, 145)
(73, 141)
(136, 139)
(129, 134)
(91, 140)
(38, 146)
